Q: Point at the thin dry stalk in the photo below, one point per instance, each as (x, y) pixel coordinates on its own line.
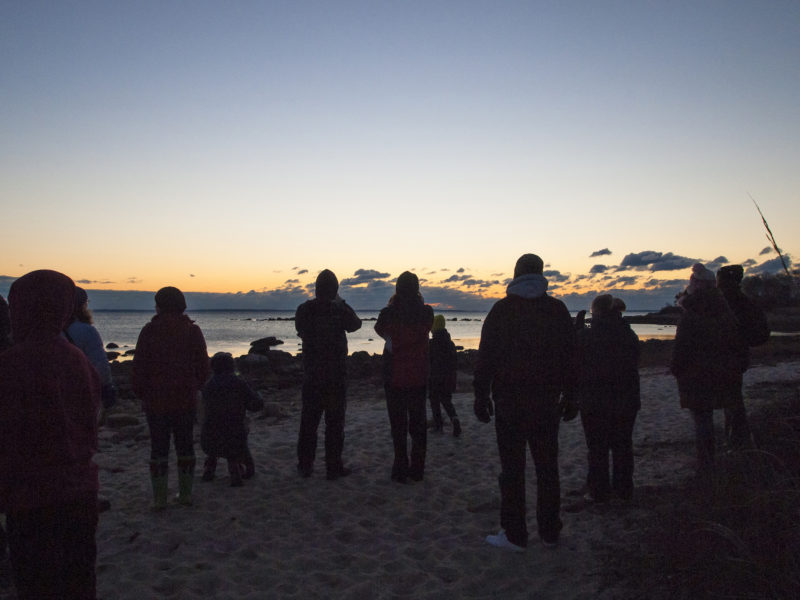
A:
(771, 238)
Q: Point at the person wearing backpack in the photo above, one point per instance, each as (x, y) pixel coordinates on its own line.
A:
(753, 331)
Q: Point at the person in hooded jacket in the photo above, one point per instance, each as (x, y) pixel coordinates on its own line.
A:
(525, 363)
(405, 324)
(442, 379)
(323, 324)
(608, 395)
(85, 336)
(753, 331)
(226, 399)
(707, 361)
(49, 398)
(169, 368)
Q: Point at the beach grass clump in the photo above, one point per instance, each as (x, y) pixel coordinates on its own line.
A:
(736, 538)
(741, 539)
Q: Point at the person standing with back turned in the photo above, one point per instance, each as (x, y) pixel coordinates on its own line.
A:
(170, 366)
(49, 398)
(323, 324)
(753, 331)
(405, 324)
(525, 363)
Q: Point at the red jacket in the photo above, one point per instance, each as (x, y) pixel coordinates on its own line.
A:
(49, 398)
(170, 364)
(405, 327)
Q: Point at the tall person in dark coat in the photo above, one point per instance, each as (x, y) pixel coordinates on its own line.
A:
(608, 394)
(707, 360)
(5, 342)
(753, 331)
(405, 324)
(525, 363)
(49, 398)
(323, 324)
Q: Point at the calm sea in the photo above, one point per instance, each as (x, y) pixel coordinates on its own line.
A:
(232, 331)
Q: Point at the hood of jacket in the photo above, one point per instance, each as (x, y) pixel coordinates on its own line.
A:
(529, 286)
(41, 305)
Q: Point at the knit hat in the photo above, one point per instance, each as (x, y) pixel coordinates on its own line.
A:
(407, 284)
(701, 279)
(170, 299)
(730, 275)
(603, 304)
(438, 323)
(326, 285)
(81, 297)
(528, 264)
(618, 305)
(222, 362)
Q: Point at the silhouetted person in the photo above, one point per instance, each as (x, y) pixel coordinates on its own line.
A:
(5, 342)
(608, 394)
(405, 324)
(85, 336)
(707, 360)
(49, 398)
(753, 331)
(525, 363)
(226, 399)
(442, 379)
(170, 366)
(323, 324)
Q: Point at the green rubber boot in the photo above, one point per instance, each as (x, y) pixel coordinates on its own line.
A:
(158, 478)
(185, 479)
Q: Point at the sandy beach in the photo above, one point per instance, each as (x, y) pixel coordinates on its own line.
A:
(364, 536)
(281, 536)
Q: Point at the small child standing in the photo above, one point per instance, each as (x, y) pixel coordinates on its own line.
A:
(442, 380)
(226, 397)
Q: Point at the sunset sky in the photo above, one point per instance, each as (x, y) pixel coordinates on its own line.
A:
(229, 147)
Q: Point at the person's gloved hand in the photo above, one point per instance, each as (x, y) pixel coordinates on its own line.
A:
(483, 408)
(569, 407)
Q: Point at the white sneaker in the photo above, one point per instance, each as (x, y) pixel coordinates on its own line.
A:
(501, 541)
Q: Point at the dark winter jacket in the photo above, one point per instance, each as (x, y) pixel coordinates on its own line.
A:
(405, 325)
(170, 364)
(226, 397)
(323, 326)
(5, 325)
(708, 358)
(750, 319)
(444, 362)
(49, 398)
(527, 344)
(608, 365)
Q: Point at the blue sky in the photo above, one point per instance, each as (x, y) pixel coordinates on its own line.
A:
(243, 147)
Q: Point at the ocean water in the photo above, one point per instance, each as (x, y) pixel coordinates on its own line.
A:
(232, 331)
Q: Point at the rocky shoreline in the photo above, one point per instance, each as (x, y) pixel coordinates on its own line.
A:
(271, 371)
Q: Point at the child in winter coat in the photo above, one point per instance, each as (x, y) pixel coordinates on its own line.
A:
(442, 380)
(609, 396)
(226, 397)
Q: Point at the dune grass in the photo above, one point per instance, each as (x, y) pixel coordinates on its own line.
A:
(738, 538)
